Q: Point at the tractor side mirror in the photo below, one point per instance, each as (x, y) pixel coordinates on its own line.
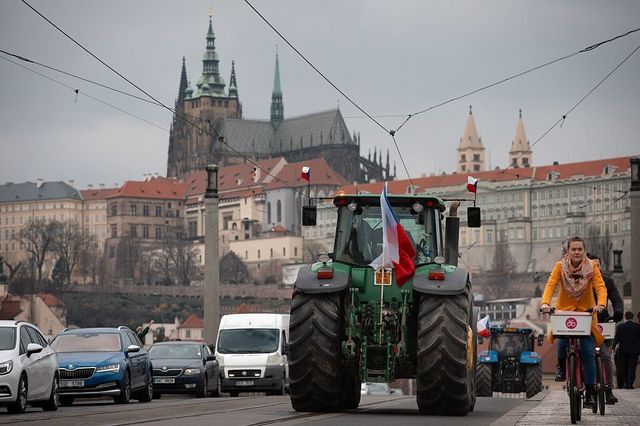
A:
(473, 217)
(480, 340)
(309, 215)
(540, 339)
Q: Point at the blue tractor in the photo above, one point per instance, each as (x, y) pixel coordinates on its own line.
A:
(510, 365)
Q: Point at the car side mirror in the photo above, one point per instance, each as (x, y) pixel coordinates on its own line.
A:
(33, 348)
(309, 215)
(133, 348)
(473, 217)
(211, 357)
(540, 339)
(480, 340)
(285, 349)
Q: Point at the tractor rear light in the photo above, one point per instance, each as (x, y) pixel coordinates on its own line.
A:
(436, 275)
(324, 273)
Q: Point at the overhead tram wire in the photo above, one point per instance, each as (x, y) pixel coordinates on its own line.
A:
(217, 135)
(79, 92)
(504, 80)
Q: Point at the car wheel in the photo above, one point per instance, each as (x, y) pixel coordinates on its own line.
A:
(217, 392)
(146, 395)
(20, 406)
(125, 392)
(54, 400)
(202, 391)
(66, 401)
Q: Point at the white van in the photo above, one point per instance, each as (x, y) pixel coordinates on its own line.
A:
(252, 352)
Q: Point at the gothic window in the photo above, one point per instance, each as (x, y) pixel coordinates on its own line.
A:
(279, 211)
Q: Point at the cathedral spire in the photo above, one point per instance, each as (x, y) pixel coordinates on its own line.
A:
(520, 153)
(183, 83)
(277, 107)
(233, 86)
(210, 83)
(470, 149)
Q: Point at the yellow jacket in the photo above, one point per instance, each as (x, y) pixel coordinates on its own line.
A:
(568, 303)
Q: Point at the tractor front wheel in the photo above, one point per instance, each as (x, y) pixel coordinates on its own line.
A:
(534, 379)
(483, 380)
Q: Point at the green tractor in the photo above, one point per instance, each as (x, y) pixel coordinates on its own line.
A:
(351, 324)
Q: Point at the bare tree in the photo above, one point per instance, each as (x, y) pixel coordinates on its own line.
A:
(128, 253)
(313, 249)
(503, 262)
(599, 245)
(70, 243)
(91, 262)
(177, 259)
(233, 269)
(36, 239)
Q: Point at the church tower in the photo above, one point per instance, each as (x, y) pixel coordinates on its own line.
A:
(277, 107)
(200, 113)
(470, 150)
(520, 154)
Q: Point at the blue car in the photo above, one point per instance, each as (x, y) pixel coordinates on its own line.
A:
(103, 362)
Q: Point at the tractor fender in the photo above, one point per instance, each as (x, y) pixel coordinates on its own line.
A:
(488, 357)
(307, 282)
(454, 283)
(529, 358)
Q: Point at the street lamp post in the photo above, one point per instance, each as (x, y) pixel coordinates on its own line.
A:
(211, 263)
(635, 230)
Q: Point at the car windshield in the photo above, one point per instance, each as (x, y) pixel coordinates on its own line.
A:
(87, 342)
(7, 338)
(359, 233)
(510, 344)
(248, 341)
(175, 352)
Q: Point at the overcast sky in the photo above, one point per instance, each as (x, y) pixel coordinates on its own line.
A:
(391, 57)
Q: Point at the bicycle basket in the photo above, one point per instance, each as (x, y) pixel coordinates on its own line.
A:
(608, 329)
(576, 324)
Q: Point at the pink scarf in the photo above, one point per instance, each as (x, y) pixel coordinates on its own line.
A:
(575, 280)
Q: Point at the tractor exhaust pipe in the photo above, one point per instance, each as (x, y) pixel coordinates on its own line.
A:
(452, 231)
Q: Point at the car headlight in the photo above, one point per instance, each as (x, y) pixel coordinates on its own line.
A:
(191, 371)
(113, 368)
(6, 367)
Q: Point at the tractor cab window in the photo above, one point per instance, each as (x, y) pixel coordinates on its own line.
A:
(510, 344)
(359, 233)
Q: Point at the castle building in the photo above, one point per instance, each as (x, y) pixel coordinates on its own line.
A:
(208, 127)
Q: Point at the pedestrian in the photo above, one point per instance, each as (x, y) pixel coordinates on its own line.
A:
(142, 332)
(606, 348)
(580, 280)
(627, 343)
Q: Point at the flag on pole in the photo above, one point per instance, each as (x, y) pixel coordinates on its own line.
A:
(397, 250)
(306, 173)
(483, 327)
(472, 184)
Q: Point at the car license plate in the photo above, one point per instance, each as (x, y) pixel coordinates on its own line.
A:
(71, 383)
(165, 380)
(244, 383)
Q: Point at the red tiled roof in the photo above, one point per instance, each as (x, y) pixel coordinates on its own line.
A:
(193, 321)
(97, 194)
(49, 299)
(231, 178)
(156, 188)
(321, 174)
(538, 173)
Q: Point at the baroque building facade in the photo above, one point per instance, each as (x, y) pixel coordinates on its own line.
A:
(208, 127)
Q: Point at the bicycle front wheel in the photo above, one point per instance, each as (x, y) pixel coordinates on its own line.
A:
(574, 400)
(600, 387)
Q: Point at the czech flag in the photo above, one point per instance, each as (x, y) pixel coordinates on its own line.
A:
(306, 173)
(483, 327)
(397, 250)
(472, 184)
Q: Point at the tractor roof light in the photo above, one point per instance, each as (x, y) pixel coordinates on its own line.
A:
(417, 207)
(352, 206)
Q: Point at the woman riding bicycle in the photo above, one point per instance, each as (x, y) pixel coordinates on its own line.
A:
(580, 278)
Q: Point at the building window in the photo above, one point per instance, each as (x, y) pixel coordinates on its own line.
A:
(145, 210)
(114, 231)
(279, 211)
(246, 254)
(476, 167)
(271, 252)
(226, 218)
(145, 232)
(134, 210)
(114, 209)
(158, 233)
(489, 236)
(188, 333)
(258, 253)
(476, 158)
(463, 168)
(269, 212)
(295, 251)
(463, 158)
(133, 231)
(284, 252)
(158, 211)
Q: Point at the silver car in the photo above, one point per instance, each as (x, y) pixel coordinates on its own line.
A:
(28, 368)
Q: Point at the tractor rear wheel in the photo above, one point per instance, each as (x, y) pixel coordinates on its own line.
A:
(534, 379)
(446, 352)
(315, 352)
(483, 380)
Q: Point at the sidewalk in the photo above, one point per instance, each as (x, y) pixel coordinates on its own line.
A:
(552, 408)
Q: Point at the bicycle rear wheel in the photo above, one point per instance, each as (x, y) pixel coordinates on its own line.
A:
(600, 387)
(574, 401)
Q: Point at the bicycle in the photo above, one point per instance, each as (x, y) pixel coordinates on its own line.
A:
(608, 330)
(572, 325)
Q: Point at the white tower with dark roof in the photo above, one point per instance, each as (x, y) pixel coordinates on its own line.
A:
(470, 150)
(520, 154)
